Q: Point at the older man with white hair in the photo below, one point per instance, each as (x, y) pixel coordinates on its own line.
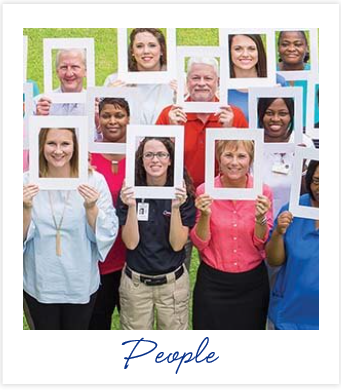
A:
(202, 86)
(71, 71)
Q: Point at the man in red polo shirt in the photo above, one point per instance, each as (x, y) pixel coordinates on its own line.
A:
(202, 85)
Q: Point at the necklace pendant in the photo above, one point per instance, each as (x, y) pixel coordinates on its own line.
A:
(58, 244)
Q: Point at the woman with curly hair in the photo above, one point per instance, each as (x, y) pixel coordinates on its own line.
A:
(155, 282)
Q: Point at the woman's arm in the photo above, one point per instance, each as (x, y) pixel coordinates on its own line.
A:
(90, 195)
(203, 204)
(275, 248)
(263, 205)
(178, 234)
(29, 192)
(130, 231)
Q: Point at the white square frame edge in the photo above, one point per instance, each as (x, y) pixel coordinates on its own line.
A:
(288, 92)
(301, 153)
(68, 43)
(92, 93)
(38, 122)
(29, 108)
(146, 192)
(201, 51)
(161, 77)
(237, 83)
(212, 135)
(311, 131)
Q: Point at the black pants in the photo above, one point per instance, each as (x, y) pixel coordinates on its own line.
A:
(60, 316)
(230, 301)
(106, 301)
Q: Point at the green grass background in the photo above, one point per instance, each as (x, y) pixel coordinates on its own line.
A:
(105, 64)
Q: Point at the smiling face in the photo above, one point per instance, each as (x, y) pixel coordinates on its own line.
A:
(71, 71)
(202, 83)
(276, 122)
(292, 50)
(113, 121)
(234, 164)
(156, 166)
(58, 150)
(147, 52)
(244, 53)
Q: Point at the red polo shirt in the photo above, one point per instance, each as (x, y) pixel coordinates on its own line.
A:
(195, 139)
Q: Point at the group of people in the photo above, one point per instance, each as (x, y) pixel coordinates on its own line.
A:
(89, 251)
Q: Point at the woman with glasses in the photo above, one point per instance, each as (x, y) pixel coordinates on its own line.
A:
(155, 283)
(294, 244)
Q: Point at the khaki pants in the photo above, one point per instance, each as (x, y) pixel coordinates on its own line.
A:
(170, 303)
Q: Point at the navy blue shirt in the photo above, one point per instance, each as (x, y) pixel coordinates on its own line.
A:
(294, 301)
(154, 254)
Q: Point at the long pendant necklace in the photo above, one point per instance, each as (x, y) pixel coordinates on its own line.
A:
(59, 225)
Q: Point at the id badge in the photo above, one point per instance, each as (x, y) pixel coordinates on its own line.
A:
(142, 211)
(281, 167)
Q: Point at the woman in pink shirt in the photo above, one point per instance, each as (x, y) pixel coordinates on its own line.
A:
(232, 288)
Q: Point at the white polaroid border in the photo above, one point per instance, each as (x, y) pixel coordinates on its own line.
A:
(310, 129)
(201, 51)
(237, 83)
(98, 92)
(148, 192)
(213, 135)
(78, 122)
(278, 92)
(29, 109)
(313, 54)
(161, 77)
(25, 42)
(68, 43)
(295, 208)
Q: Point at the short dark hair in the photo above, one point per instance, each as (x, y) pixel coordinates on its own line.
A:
(309, 176)
(158, 34)
(307, 55)
(261, 65)
(116, 102)
(264, 103)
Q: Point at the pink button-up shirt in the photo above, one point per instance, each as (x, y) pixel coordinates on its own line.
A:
(232, 245)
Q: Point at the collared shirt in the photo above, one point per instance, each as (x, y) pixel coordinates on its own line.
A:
(117, 255)
(154, 254)
(294, 301)
(73, 276)
(59, 109)
(232, 245)
(195, 139)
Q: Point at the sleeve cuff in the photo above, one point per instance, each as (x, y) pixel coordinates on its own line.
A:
(197, 241)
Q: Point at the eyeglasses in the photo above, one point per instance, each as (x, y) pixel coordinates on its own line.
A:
(159, 155)
(315, 181)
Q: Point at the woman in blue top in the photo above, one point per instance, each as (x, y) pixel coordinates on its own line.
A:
(293, 51)
(65, 233)
(294, 301)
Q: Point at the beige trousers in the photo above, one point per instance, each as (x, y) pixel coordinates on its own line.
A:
(141, 305)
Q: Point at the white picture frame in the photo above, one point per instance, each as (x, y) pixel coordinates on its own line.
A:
(213, 135)
(68, 43)
(237, 83)
(313, 54)
(278, 92)
(134, 133)
(98, 92)
(295, 208)
(310, 129)
(25, 44)
(201, 51)
(29, 109)
(153, 77)
(36, 123)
